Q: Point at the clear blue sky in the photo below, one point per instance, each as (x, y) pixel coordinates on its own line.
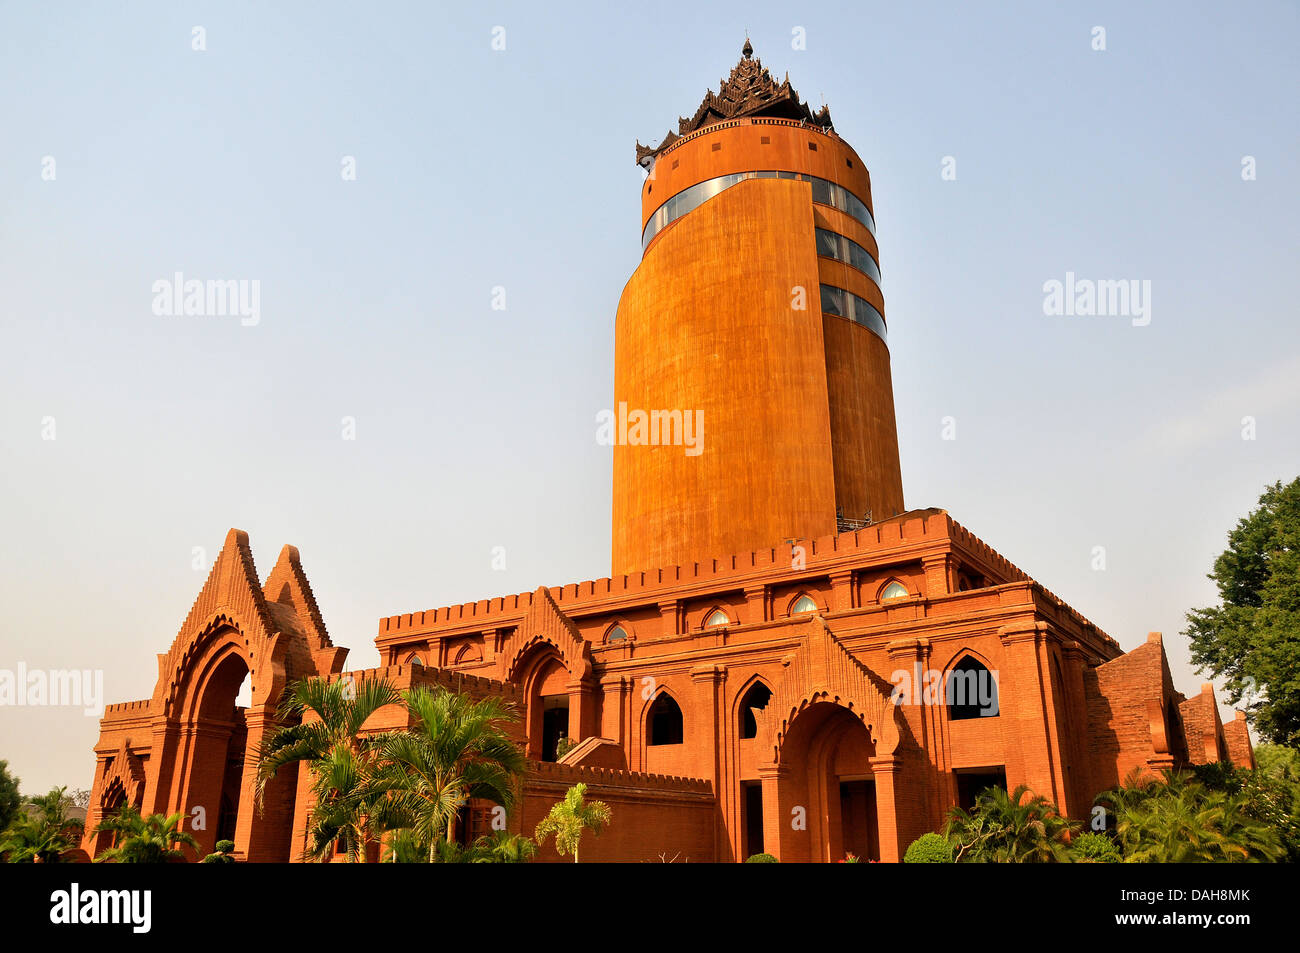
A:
(478, 168)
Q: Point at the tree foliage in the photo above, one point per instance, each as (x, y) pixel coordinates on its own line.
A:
(340, 759)
(568, 819)
(151, 839)
(43, 831)
(1182, 819)
(1252, 640)
(10, 799)
(1020, 827)
(929, 849)
(455, 749)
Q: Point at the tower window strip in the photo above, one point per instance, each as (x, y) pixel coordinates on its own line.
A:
(842, 248)
(845, 304)
(689, 199)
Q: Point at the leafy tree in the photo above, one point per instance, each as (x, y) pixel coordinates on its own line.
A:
(402, 846)
(570, 817)
(1020, 827)
(761, 859)
(10, 799)
(43, 832)
(455, 749)
(223, 853)
(1269, 795)
(1182, 820)
(928, 849)
(155, 839)
(1252, 640)
(1095, 848)
(501, 847)
(341, 760)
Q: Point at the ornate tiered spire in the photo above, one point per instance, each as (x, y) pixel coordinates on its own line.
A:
(750, 90)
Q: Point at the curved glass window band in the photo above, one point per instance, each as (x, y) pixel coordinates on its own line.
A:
(846, 304)
(688, 200)
(842, 248)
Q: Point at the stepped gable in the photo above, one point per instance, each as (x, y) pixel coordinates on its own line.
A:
(127, 773)
(750, 90)
(278, 636)
(546, 623)
(287, 585)
(822, 670)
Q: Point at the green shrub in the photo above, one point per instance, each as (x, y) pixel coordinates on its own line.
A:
(1095, 848)
(761, 859)
(929, 849)
(222, 855)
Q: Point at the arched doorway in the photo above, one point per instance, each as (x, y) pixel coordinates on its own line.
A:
(546, 690)
(216, 734)
(829, 786)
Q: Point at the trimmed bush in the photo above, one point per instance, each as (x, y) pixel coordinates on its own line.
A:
(928, 849)
(761, 859)
(1094, 848)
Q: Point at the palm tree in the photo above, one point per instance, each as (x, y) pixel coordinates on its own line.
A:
(155, 839)
(1182, 821)
(341, 760)
(570, 817)
(501, 847)
(43, 832)
(1020, 827)
(455, 749)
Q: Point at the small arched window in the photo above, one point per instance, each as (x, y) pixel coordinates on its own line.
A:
(415, 660)
(895, 590)
(716, 617)
(971, 691)
(664, 722)
(617, 634)
(804, 603)
(757, 697)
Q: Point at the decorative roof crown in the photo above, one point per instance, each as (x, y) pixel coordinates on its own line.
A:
(750, 90)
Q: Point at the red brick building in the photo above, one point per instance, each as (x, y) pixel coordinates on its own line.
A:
(761, 672)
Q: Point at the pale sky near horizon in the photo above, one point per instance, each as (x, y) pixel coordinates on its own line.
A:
(478, 168)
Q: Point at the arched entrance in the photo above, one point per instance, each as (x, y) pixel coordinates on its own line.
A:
(217, 760)
(826, 756)
(546, 691)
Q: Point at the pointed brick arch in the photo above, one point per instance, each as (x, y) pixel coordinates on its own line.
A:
(127, 773)
(546, 628)
(546, 624)
(822, 670)
(277, 628)
(274, 632)
(819, 673)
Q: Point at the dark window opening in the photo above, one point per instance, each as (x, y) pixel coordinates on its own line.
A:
(752, 805)
(971, 691)
(858, 825)
(757, 697)
(970, 786)
(665, 722)
(555, 725)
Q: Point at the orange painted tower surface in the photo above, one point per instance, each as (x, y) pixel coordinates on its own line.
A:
(755, 315)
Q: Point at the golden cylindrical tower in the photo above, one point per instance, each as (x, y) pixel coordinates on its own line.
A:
(754, 328)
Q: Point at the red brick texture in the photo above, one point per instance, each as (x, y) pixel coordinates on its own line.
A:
(828, 765)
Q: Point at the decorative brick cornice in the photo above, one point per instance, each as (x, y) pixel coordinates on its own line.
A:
(1027, 631)
(709, 673)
